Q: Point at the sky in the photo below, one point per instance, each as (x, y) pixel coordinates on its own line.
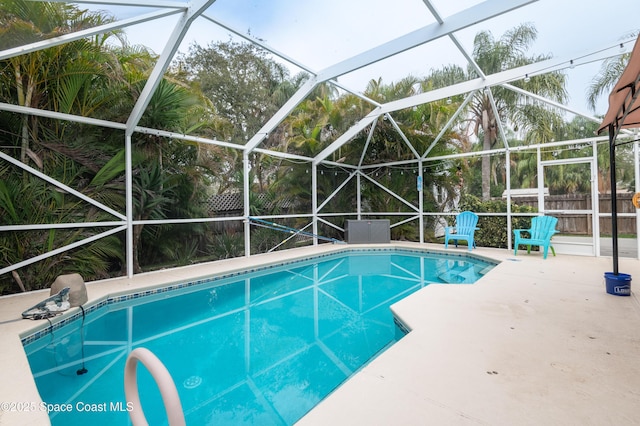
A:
(319, 33)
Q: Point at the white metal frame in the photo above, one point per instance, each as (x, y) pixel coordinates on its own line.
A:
(593, 211)
(191, 10)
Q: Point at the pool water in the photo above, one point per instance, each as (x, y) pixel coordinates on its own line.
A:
(258, 348)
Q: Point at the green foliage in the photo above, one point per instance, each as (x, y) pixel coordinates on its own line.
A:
(227, 246)
(406, 232)
(496, 55)
(186, 253)
(264, 239)
(493, 229)
(242, 82)
(28, 200)
(610, 71)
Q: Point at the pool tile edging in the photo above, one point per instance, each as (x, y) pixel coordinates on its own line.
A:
(43, 330)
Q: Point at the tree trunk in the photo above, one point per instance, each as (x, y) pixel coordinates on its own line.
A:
(18, 280)
(24, 99)
(137, 233)
(486, 166)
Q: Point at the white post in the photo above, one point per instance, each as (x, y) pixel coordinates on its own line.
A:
(507, 158)
(314, 201)
(129, 203)
(540, 181)
(419, 188)
(595, 201)
(247, 207)
(359, 195)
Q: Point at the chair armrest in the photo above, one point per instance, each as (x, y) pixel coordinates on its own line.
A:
(518, 231)
(551, 234)
(449, 230)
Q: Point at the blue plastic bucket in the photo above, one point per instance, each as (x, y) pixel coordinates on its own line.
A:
(618, 285)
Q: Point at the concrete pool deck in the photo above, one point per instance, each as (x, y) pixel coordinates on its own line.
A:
(533, 342)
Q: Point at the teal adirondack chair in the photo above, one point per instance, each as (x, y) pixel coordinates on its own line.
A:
(464, 230)
(540, 233)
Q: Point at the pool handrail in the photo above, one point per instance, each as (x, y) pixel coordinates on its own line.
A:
(165, 383)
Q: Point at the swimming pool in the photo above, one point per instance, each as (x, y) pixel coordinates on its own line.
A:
(259, 347)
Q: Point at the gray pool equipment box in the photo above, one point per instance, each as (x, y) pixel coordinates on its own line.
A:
(367, 231)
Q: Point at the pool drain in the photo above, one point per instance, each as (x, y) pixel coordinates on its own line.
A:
(192, 382)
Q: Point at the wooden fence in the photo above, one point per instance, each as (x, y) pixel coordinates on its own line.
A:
(580, 224)
(576, 224)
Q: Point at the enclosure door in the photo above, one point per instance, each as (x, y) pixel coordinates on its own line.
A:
(576, 209)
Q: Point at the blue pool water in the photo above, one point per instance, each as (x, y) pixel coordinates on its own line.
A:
(263, 347)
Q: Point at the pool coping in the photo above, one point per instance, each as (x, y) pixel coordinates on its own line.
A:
(18, 384)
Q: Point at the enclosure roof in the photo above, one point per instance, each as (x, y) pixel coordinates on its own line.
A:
(349, 44)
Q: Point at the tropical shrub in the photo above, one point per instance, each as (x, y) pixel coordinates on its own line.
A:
(493, 229)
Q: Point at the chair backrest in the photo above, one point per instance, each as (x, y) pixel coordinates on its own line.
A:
(543, 227)
(466, 222)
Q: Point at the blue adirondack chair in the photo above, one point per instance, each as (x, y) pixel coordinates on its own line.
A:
(540, 233)
(464, 230)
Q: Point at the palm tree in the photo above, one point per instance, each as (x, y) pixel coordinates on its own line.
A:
(609, 74)
(30, 200)
(493, 56)
(55, 78)
(317, 121)
(68, 78)
(497, 55)
(152, 198)
(91, 78)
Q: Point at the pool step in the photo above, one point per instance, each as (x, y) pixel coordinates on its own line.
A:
(459, 275)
